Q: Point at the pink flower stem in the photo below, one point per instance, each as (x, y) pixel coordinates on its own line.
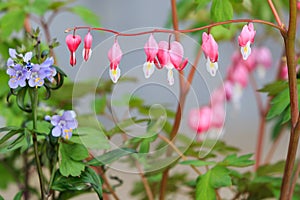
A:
(262, 123)
(289, 40)
(281, 29)
(275, 13)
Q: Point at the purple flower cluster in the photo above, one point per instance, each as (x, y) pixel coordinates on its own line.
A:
(63, 124)
(22, 71)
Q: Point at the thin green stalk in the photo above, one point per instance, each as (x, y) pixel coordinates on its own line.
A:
(52, 173)
(34, 103)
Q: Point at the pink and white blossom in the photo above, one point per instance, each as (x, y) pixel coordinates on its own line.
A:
(73, 41)
(87, 52)
(210, 49)
(245, 39)
(114, 56)
(151, 49)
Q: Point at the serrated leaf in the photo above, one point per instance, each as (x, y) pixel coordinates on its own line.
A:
(203, 188)
(220, 177)
(278, 104)
(110, 156)
(86, 15)
(87, 179)
(70, 159)
(91, 138)
(197, 163)
(221, 10)
(234, 161)
(274, 88)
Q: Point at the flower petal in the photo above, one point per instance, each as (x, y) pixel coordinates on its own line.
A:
(176, 53)
(115, 74)
(56, 131)
(151, 48)
(163, 53)
(27, 57)
(12, 53)
(170, 77)
(148, 69)
(212, 67)
(246, 50)
(115, 55)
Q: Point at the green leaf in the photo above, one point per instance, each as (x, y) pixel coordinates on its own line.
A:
(1, 198)
(145, 146)
(39, 7)
(43, 127)
(271, 169)
(278, 104)
(86, 180)
(100, 105)
(111, 156)
(220, 177)
(91, 138)
(203, 188)
(201, 3)
(18, 196)
(56, 5)
(221, 10)
(71, 156)
(4, 89)
(6, 175)
(9, 134)
(274, 88)
(234, 161)
(86, 15)
(197, 163)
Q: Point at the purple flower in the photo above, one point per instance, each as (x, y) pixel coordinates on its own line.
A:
(64, 124)
(48, 69)
(14, 55)
(37, 76)
(18, 75)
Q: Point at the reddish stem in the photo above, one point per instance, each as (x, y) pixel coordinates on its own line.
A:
(281, 29)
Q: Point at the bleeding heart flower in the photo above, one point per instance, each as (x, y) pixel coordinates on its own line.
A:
(245, 39)
(73, 41)
(114, 56)
(87, 52)
(263, 60)
(151, 49)
(200, 119)
(210, 49)
(170, 56)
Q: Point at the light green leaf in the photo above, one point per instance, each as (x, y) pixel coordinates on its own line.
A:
(43, 127)
(221, 10)
(110, 156)
(203, 188)
(86, 15)
(8, 22)
(91, 138)
(197, 163)
(100, 105)
(234, 161)
(39, 7)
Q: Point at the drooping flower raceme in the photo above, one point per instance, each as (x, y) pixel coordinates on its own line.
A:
(245, 39)
(64, 124)
(210, 49)
(114, 56)
(170, 56)
(73, 41)
(151, 49)
(22, 71)
(87, 52)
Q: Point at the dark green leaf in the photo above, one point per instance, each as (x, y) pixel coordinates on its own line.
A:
(18, 196)
(1, 198)
(86, 15)
(111, 156)
(274, 88)
(220, 177)
(86, 180)
(197, 163)
(221, 10)
(278, 104)
(271, 169)
(145, 146)
(70, 159)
